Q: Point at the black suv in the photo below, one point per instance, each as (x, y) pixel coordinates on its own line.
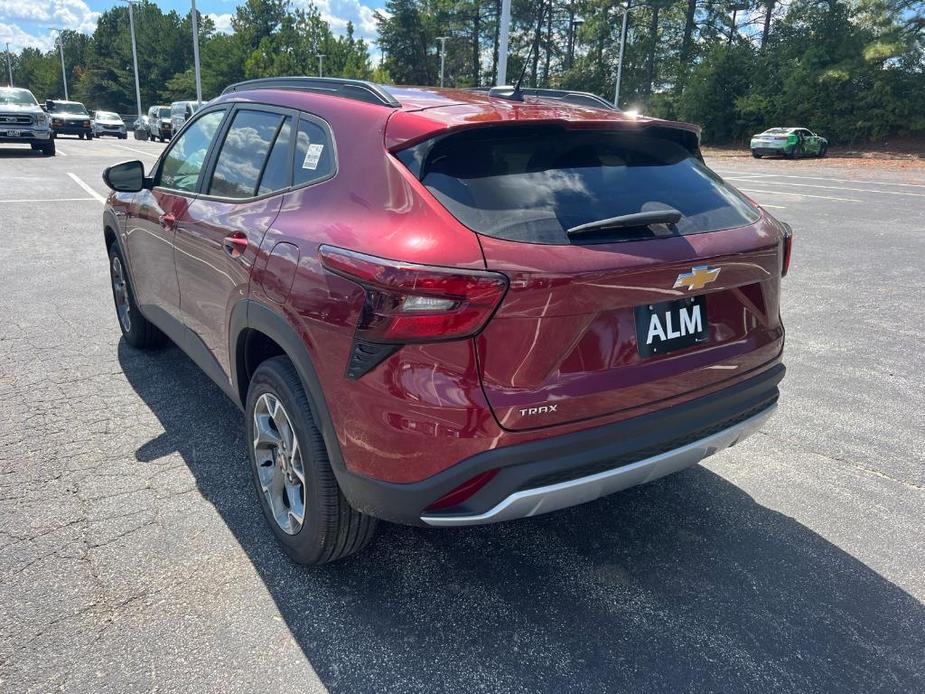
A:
(69, 118)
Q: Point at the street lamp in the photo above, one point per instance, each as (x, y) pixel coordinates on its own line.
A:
(573, 23)
(131, 23)
(442, 40)
(503, 38)
(321, 57)
(63, 71)
(624, 10)
(195, 17)
(9, 63)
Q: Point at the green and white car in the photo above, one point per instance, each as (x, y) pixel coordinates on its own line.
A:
(788, 142)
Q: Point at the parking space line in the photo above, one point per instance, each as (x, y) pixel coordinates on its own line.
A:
(776, 207)
(87, 188)
(798, 195)
(814, 185)
(48, 200)
(139, 151)
(822, 178)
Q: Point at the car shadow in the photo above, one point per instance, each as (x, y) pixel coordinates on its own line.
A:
(685, 584)
(19, 151)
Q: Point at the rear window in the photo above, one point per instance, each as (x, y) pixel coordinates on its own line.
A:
(532, 184)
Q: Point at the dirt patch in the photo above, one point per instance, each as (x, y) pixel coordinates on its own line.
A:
(840, 157)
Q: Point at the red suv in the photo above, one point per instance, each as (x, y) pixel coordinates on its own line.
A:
(445, 308)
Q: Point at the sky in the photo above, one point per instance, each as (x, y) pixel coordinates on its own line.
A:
(25, 22)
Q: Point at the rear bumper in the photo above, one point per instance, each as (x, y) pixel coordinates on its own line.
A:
(533, 502)
(560, 471)
(770, 151)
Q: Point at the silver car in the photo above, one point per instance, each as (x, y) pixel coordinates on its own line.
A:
(109, 123)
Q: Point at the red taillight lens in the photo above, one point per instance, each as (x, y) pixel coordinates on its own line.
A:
(788, 248)
(406, 302)
(463, 491)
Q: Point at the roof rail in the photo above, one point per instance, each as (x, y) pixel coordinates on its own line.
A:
(565, 95)
(359, 90)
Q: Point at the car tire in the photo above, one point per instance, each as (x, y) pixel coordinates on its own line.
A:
(292, 473)
(756, 155)
(89, 136)
(823, 150)
(80, 136)
(49, 149)
(137, 330)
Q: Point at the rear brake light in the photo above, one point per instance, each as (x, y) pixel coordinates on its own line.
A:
(788, 248)
(463, 491)
(406, 302)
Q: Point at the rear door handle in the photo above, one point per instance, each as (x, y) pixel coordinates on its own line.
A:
(167, 220)
(235, 244)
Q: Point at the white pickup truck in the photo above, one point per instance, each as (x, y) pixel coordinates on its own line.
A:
(22, 121)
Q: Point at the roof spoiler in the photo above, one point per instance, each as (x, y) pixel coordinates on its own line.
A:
(563, 95)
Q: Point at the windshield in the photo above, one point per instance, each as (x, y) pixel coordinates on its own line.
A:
(776, 131)
(164, 112)
(17, 97)
(533, 183)
(68, 107)
(103, 115)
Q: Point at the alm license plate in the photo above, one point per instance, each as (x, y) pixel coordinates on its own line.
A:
(11, 133)
(671, 325)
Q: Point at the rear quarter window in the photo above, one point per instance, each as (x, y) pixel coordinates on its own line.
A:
(533, 183)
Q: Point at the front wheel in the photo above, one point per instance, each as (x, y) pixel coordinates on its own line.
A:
(137, 330)
(823, 150)
(298, 492)
(756, 155)
(49, 149)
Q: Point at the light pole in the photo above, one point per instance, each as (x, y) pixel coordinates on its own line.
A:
(63, 71)
(616, 95)
(195, 17)
(9, 62)
(503, 37)
(442, 40)
(131, 23)
(624, 10)
(320, 57)
(573, 22)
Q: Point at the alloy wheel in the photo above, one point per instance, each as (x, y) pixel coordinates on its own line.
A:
(120, 292)
(278, 457)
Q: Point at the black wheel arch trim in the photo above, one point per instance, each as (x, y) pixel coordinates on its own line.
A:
(253, 315)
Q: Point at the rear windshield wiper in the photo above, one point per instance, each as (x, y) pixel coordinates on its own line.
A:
(636, 219)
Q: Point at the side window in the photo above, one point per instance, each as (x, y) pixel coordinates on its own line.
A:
(314, 155)
(243, 153)
(276, 174)
(184, 160)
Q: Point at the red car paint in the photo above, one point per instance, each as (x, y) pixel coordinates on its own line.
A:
(563, 333)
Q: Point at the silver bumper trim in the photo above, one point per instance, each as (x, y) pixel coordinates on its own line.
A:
(533, 502)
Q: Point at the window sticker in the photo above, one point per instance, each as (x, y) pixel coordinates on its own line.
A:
(312, 157)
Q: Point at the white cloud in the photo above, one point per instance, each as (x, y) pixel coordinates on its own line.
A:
(222, 22)
(19, 39)
(338, 12)
(70, 14)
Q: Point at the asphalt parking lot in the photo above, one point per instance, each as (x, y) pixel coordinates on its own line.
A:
(133, 556)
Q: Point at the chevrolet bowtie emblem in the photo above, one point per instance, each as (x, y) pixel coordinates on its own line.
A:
(697, 278)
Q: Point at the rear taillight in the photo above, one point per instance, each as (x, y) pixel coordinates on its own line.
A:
(406, 302)
(788, 248)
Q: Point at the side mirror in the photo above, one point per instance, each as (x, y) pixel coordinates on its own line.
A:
(128, 177)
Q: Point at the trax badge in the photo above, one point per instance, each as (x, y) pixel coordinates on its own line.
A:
(697, 278)
(527, 411)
